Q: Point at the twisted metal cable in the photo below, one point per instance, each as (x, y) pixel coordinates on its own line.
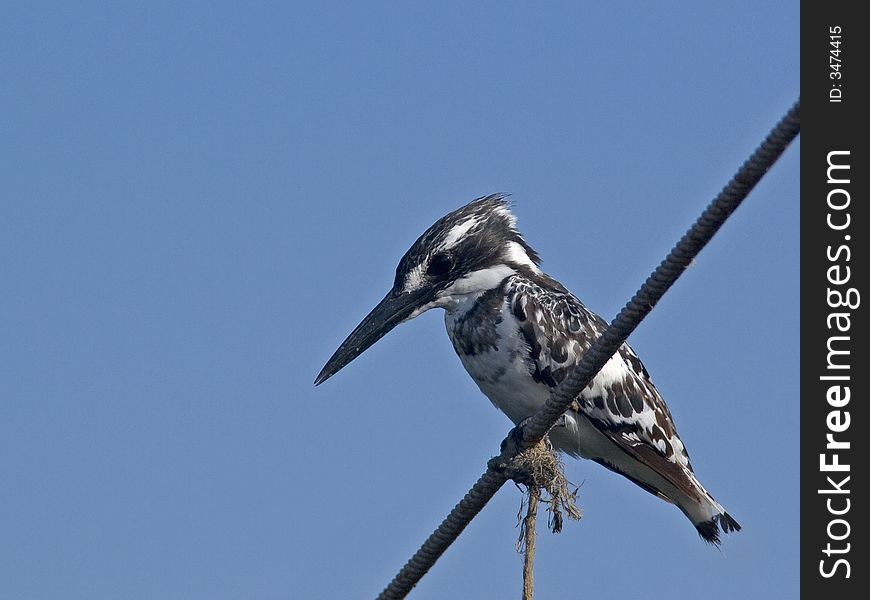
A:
(533, 430)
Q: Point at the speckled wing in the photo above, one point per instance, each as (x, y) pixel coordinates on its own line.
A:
(621, 401)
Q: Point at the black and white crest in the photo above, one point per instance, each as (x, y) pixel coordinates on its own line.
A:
(470, 238)
(519, 333)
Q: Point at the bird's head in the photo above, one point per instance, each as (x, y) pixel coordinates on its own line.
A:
(463, 254)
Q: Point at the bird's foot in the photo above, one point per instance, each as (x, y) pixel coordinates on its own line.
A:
(516, 434)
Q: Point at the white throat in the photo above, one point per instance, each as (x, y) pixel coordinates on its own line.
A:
(474, 284)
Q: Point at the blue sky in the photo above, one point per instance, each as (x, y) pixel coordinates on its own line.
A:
(200, 201)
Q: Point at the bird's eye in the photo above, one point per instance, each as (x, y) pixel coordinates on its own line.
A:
(440, 265)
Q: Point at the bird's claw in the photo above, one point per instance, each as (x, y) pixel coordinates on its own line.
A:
(516, 434)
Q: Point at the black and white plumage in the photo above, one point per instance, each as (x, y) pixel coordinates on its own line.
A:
(519, 333)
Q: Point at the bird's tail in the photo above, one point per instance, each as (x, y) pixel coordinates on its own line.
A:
(709, 530)
(708, 516)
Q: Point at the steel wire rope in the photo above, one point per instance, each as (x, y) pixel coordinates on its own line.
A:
(534, 429)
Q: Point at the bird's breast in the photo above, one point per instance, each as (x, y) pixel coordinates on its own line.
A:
(487, 338)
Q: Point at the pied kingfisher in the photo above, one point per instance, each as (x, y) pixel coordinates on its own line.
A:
(519, 333)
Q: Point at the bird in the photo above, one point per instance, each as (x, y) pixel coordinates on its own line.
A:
(519, 333)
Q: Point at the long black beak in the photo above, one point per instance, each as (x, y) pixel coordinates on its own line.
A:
(392, 310)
